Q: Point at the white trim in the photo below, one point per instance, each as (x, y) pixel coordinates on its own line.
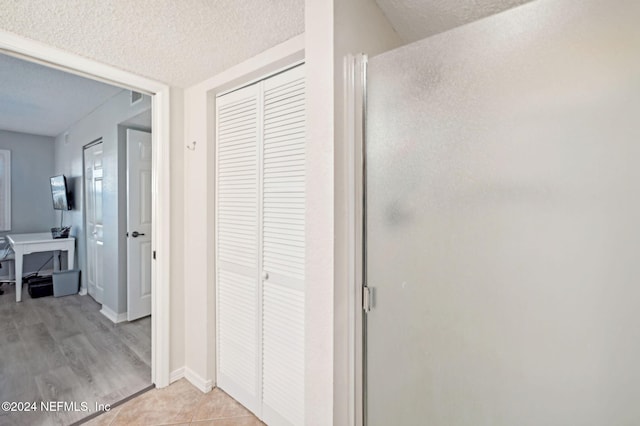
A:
(176, 375)
(282, 56)
(161, 240)
(355, 80)
(196, 380)
(261, 78)
(14, 45)
(112, 315)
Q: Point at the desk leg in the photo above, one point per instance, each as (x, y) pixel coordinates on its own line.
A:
(56, 260)
(71, 257)
(18, 277)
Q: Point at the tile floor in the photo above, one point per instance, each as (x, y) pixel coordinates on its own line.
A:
(182, 404)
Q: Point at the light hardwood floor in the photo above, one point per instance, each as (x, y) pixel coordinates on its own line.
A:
(64, 349)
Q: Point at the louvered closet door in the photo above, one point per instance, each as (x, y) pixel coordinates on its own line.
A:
(260, 246)
(238, 259)
(283, 255)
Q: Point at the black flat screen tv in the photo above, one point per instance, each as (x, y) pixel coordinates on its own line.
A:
(60, 193)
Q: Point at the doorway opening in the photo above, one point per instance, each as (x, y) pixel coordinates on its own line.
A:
(158, 177)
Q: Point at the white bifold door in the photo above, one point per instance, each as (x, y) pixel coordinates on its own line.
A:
(260, 207)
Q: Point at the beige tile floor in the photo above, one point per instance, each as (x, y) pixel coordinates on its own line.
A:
(178, 404)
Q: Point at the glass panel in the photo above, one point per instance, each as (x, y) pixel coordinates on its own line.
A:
(503, 235)
(98, 199)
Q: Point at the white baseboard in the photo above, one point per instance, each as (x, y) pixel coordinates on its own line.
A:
(113, 316)
(197, 381)
(176, 375)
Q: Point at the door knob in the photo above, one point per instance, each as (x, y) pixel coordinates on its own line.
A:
(135, 234)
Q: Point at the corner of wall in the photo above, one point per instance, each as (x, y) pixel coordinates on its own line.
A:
(204, 385)
(362, 27)
(319, 267)
(195, 226)
(334, 29)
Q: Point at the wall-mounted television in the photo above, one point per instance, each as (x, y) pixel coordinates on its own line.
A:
(59, 192)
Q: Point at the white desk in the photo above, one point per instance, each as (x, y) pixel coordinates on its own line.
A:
(32, 243)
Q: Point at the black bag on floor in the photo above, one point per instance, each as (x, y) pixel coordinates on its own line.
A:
(40, 287)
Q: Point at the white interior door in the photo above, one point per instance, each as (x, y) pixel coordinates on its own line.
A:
(138, 224)
(93, 219)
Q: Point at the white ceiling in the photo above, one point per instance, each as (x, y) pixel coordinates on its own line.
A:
(414, 20)
(180, 42)
(184, 42)
(43, 101)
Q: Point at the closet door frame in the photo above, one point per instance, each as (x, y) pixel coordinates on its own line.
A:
(256, 406)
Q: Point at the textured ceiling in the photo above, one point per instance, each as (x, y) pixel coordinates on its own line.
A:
(180, 42)
(418, 19)
(43, 101)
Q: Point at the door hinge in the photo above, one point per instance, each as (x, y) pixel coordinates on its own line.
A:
(154, 255)
(366, 299)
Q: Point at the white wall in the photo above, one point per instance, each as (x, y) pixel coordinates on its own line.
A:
(199, 197)
(196, 227)
(319, 54)
(361, 27)
(101, 123)
(334, 29)
(177, 320)
(31, 206)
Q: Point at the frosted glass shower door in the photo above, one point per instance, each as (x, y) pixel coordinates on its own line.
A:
(503, 221)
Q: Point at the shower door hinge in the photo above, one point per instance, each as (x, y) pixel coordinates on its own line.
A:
(366, 299)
